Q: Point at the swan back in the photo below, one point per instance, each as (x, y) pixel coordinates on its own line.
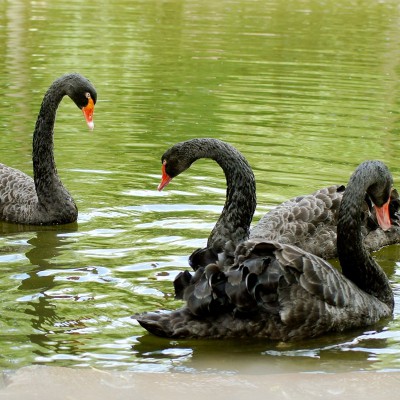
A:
(273, 291)
(310, 222)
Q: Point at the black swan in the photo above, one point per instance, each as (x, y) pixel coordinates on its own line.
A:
(308, 222)
(281, 292)
(44, 200)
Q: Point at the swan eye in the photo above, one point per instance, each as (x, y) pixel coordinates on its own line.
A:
(87, 95)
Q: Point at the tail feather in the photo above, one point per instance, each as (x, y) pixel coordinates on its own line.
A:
(202, 257)
(155, 323)
(181, 282)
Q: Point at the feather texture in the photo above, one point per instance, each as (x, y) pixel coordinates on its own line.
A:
(43, 199)
(308, 221)
(279, 291)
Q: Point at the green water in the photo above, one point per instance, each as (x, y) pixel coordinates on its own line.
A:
(306, 90)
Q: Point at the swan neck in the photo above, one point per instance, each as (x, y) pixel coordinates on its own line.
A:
(234, 222)
(356, 263)
(44, 167)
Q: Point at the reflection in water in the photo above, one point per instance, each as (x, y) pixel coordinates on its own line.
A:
(47, 246)
(330, 354)
(41, 305)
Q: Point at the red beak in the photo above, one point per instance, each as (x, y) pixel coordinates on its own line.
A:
(165, 179)
(383, 216)
(88, 113)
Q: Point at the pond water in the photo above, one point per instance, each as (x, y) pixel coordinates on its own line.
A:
(306, 90)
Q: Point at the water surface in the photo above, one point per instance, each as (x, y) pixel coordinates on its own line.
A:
(306, 90)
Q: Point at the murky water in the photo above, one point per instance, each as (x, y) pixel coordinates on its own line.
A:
(305, 89)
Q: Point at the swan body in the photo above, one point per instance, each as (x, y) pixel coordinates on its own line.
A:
(308, 222)
(281, 292)
(44, 200)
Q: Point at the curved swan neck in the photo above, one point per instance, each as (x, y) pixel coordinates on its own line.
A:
(356, 263)
(235, 219)
(44, 167)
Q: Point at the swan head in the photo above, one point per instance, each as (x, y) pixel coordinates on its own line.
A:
(174, 161)
(83, 94)
(380, 194)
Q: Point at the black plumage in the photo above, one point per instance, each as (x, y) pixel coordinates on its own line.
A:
(307, 221)
(281, 292)
(44, 200)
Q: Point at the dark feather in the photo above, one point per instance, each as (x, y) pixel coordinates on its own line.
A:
(281, 292)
